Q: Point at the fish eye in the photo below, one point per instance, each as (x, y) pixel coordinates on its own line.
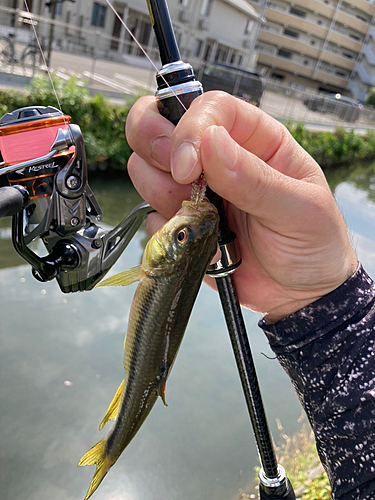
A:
(182, 235)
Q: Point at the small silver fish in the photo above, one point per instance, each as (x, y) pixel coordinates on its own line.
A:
(173, 265)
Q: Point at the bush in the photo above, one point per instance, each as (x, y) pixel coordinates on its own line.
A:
(102, 123)
(336, 148)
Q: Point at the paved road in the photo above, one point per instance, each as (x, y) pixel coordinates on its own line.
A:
(103, 75)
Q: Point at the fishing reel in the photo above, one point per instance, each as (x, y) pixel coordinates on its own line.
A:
(50, 199)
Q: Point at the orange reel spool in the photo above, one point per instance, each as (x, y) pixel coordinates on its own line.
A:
(28, 134)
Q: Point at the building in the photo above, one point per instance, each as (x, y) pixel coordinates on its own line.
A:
(206, 30)
(326, 45)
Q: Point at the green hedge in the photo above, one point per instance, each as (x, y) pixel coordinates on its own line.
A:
(103, 126)
(102, 123)
(336, 148)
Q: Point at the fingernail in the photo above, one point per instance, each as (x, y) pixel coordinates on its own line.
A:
(226, 147)
(184, 160)
(161, 151)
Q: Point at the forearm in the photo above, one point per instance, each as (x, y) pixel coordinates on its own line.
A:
(328, 351)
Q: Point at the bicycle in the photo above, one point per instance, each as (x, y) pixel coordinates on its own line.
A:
(8, 55)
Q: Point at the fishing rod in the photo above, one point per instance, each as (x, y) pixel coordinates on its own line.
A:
(50, 199)
(177, 88)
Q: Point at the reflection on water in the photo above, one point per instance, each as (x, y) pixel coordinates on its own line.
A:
(61, 362)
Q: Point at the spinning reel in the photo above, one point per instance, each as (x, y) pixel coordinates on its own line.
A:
(50, 198)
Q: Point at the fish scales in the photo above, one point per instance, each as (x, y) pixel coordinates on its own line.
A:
(170, 277)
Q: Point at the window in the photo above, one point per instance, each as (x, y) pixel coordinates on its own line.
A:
(319, 22)
(362, 18)
(355, 37)
(67, 21)
(198, 48)
(58, 10)
(222, 53)
(284, 53)
(293, 34)
(312, 42)
(248, 27)
(349, 56)
(340, 73)
(276, 76)
(98, 15)
(184, 3)
(297, 12)
(206, 7)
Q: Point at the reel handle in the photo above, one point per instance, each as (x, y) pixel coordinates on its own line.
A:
(12, 200)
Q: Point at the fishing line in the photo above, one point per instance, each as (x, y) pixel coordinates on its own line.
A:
(132, 36)
(199, 183)
(149, 58)
(44, 59)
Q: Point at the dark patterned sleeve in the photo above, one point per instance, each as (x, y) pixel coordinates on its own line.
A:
(328, 351)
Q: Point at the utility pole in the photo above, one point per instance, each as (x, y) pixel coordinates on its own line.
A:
(52, 6)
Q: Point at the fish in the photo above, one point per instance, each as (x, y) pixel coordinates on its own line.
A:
(173, 265)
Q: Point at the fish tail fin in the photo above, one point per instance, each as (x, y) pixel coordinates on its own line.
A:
(96, 455)
(113, 407)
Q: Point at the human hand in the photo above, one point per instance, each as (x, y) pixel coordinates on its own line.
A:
(292, 238)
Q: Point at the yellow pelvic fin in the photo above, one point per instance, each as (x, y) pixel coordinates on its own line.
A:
(96, 455)
(113, 407)
(124, 278)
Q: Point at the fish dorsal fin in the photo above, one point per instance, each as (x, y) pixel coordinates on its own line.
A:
(124, 278)
(114, 407)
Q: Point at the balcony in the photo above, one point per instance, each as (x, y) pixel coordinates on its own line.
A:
(284, 64)
(289, 43)
(343, 39)
(316, 6)
(364, 6)
(283, 17)
(352, 21)
(323, 76)
(341, 62)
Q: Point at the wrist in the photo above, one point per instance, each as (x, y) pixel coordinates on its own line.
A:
(298, 299)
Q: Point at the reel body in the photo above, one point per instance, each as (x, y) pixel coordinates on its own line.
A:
(61, 209)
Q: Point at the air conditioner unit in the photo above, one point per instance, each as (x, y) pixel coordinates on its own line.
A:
(185, 16)
(204, 24)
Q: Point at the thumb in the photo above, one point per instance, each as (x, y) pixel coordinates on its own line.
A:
(253, 186)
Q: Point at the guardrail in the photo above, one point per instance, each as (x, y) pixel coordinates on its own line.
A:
(285, 102)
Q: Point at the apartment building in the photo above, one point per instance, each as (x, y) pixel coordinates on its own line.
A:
(326, 45)
(206, 30)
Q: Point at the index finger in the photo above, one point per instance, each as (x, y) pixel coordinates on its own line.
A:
(253, 129)
(157, 142)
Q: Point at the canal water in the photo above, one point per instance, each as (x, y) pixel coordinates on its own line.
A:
(61, 363)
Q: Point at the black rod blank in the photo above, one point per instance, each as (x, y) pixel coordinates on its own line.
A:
(161, 21)
(246, 368)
